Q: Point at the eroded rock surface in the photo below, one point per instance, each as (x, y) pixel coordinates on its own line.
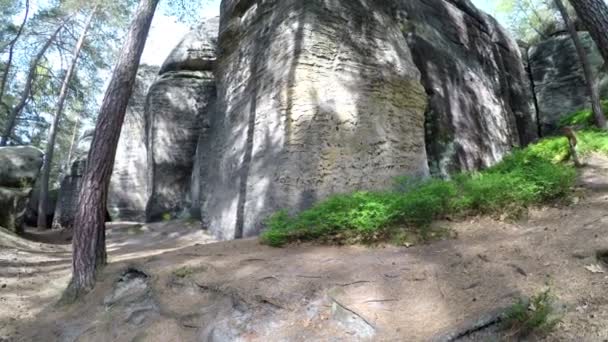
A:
(316, 98)
(178, 106)
(19, 169)
(480, 105)
(558, 78)
(128, 194)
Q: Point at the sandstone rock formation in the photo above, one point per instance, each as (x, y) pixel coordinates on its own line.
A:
(317, 98)
(559, 83)
(177, 109)
(19, 169)
(479, 100)
(67, 198)
(128, 193)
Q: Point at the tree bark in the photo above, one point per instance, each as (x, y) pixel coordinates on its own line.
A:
(89, 250)
(52, 135)
(11, 51)
(600, 119)
(594, 15)
(25, 94)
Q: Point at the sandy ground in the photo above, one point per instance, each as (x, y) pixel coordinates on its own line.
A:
(309, 292)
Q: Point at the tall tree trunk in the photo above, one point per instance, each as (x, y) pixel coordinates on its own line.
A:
(594, 15)
(11, 52)
(25, 94)
(600, 119)
(50, 146)
(89, 250)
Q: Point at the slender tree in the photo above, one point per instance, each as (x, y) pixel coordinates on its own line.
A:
(27, 89)
(594, 15)
(89, 249)
(11, 53)
(52, 134)
(600, 119)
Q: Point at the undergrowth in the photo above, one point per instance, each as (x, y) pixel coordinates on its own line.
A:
(536, 315)
(583, 118)
(534, 175)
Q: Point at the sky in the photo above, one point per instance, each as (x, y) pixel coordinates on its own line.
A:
(167, 31)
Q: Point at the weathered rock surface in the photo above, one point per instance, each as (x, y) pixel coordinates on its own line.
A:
(559, 83)
(128, 194)
(178, 106)
(480, 105)
(317, 98)
(19, 169)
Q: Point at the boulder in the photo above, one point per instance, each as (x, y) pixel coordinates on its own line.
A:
(558, 79)
(128, 194)
(67, 198)
(178, 108)
(19, 169)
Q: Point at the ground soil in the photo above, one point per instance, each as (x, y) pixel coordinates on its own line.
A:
(310, 292)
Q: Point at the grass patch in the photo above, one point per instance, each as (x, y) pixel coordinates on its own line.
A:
(583, 118)
(183, 272)
(536, 315)
(531, 176)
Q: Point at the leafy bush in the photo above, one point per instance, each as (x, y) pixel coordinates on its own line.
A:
(530, 176)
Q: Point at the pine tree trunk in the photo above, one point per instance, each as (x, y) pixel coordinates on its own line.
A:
(594, 15)
(27, 90)
(89, 227)
(50, 145)
(600, 119)
(11, 52)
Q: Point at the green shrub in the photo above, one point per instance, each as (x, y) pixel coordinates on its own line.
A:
(530, 176)
(536, 315)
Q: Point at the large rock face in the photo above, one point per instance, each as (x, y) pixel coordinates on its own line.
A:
(19, 169)
(178, 106)
(479, 100)
(317, 98)
(559, 82)
(128, 194)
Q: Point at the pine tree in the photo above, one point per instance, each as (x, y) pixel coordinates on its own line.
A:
(594, 15)
(89, 249)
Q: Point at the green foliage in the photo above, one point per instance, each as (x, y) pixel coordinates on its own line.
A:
(183, 272)
(529, 176)
(167, 217)
(582, 118)
(536, 315)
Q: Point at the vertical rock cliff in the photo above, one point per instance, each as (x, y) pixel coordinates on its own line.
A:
(128, 194)
(314, 98)
(480, 105)
(177, 110)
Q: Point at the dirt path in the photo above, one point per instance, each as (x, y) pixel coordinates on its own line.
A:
(186, 290)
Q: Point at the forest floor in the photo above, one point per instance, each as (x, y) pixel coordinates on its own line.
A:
(170, 282)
